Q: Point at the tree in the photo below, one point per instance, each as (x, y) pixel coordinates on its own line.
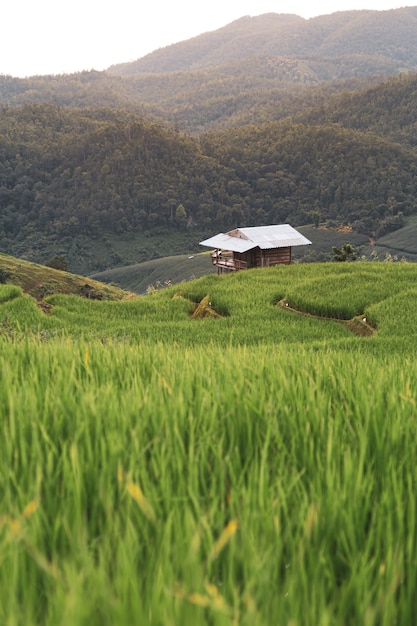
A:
(181, 216)
(58, 262)
(346, 253)
(4, 276)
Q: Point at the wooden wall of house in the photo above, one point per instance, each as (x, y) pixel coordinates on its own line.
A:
(276, 256)
(264, 258)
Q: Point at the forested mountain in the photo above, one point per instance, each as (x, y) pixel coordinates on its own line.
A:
(390, 35)
(246, 72)
(110, 170)
(244, 92)
(386, 109)
(68, 173)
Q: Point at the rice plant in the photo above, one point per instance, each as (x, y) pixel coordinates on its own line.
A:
(203, 486)
(253, 469)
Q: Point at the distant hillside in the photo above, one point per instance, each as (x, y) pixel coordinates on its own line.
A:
(69, 178)
(240, 39)
(385, 109)
(319, 173)
(107, 187)
(252, 70)
(389, 35)
(158, 273)
(401, 244)
(80, 90)
(241, 92)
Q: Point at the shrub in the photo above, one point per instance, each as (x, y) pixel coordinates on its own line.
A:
(4, 276)
(58, 262)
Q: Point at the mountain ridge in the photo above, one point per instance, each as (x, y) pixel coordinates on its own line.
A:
(340, 33)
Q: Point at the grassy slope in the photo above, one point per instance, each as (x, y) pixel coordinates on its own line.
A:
(171, 269)
(246, 301)
(253, 469)
(39, 281)
(401, 243)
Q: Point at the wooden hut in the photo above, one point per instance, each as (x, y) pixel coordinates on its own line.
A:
(260, 246)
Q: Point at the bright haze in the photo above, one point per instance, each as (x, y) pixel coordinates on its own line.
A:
(55, 37)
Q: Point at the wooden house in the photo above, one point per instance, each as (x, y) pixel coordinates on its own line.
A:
(260, 246)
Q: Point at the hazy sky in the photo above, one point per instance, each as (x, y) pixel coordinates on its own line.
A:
(55, 37)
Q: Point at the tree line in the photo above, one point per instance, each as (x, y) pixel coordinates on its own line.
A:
(66, 172)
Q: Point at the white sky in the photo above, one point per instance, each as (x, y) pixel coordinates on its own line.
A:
(56, 37)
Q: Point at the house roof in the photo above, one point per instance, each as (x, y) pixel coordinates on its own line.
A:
(263, 237)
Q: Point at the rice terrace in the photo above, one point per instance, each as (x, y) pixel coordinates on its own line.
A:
(255, 466)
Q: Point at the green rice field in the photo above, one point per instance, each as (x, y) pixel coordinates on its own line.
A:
(255, 466)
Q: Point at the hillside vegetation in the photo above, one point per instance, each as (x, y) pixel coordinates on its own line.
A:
(158, 273)
(252, 68)
(107, 188)
(388, 35)
(163, 468)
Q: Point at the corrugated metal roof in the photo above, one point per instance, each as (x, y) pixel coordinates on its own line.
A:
(264, 237)
(226, 242)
